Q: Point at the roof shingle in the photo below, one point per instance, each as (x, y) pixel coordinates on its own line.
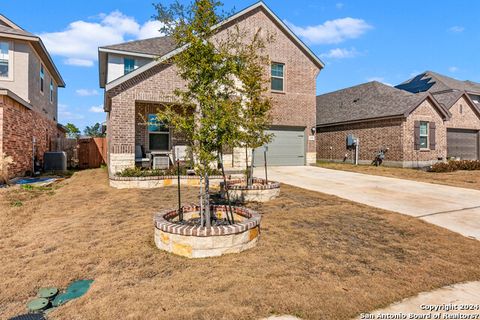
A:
(434, 82)
(155, 46)
(366, 101)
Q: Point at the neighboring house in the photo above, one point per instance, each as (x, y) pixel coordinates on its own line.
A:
(138, 81)
(411, 125)
(462, 99)
(28, 97)
(424, 120)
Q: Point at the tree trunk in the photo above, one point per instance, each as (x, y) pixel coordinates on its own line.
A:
(250, 178)
(208, 214)
(202, 213)
(231, 219)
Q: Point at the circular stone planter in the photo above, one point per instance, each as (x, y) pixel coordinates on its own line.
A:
(159, 181)
(258, 192)
(202, 242)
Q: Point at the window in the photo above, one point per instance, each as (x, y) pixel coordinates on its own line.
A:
(128, 65)
(158, 134)
(277, 76)
(51, 90)
(423, 135)
(4, 59)
(42, 77)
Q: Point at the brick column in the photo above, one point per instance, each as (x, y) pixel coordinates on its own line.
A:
(122, 133)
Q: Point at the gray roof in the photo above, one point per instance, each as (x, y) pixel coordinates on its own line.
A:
(16, 32)
(434, 82)
(155, 46)
(448, 99)
(366, 101)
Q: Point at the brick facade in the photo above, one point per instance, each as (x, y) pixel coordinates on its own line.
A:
(373, 136)
(395, 134)
(296, 106)
(463, 116)
(419, 158)
(18, 126)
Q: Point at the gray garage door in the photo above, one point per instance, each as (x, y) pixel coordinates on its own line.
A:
(286, 149)
(462, 144)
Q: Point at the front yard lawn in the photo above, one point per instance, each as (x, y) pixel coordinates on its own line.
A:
(462, 179)
(319, 257)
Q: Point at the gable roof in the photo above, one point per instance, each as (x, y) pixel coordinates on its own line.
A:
(369, 101)
(12, 31)
(154, 47)
(448, 99)
(434, 82)
(167, 51)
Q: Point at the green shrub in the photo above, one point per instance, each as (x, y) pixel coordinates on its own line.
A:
(172, 171)
(456, 165)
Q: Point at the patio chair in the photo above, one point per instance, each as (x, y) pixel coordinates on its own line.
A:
(140, 159)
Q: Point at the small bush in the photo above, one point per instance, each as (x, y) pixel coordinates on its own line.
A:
(456, 165)
(172, 171)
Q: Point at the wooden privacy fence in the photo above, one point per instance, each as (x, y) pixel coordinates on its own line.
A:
(82, 153)
(92, 152)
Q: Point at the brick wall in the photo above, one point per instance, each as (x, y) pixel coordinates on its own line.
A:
(294, 107)
(19, 126)
(395, 134)
(373, 135)
(415, 158)
(463, 116)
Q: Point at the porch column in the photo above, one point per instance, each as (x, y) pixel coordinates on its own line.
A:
(122, 133)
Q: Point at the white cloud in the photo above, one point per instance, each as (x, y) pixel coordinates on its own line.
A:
(78, 62)
(339, 53)
(456, 29)
(453, 69)
(414, 73)
(65, 114)
(79, 42)
(150, 29)
(379, 79)
(332, 31)
(86, 92)
(96, 109)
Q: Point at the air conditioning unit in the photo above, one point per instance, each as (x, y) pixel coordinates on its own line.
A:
(161, 162)
(55, 161)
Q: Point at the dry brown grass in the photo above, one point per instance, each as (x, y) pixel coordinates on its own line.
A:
(462, 179)
(319, 257)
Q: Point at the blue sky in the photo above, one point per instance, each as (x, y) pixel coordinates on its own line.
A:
(359, 41)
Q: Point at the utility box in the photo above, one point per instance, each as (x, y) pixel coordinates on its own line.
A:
(352, 142)
(55, 161)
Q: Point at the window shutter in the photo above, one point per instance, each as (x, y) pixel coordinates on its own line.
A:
(417, 135)
(432, 129)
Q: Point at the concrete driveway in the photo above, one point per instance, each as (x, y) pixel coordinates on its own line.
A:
(456, 209)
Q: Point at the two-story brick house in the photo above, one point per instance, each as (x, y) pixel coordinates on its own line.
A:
(29, 82)
(137, 81)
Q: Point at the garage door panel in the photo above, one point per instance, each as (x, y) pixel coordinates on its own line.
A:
(463, 144)
(286, 149)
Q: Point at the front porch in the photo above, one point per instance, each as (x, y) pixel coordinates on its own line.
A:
(154, 145)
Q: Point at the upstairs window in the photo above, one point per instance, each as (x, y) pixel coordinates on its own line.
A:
(128, 65)
(51, 91)
(42, 78)
(278, 70)
(424, 135)
(4, 59)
